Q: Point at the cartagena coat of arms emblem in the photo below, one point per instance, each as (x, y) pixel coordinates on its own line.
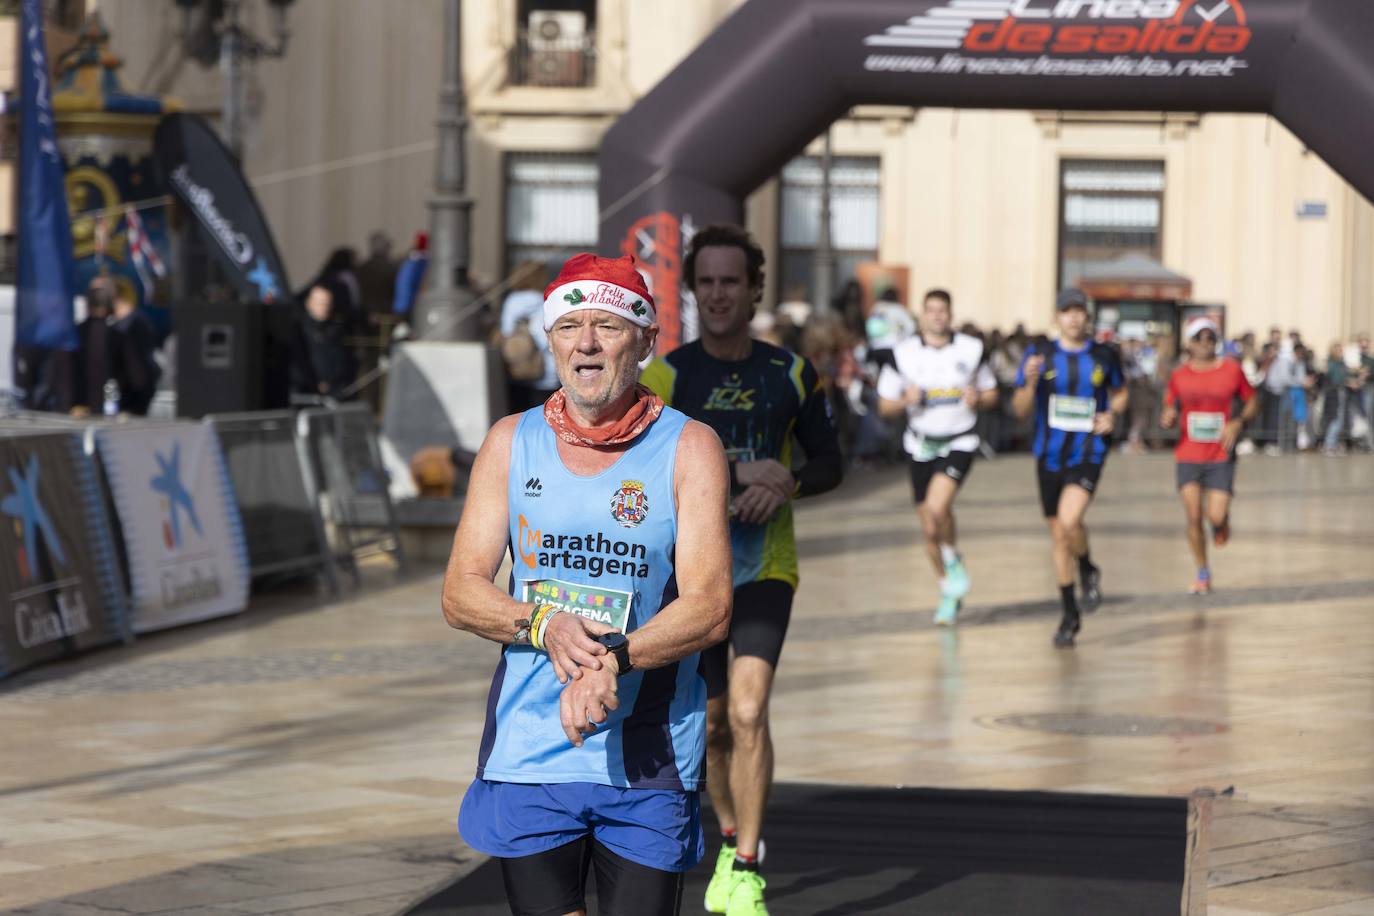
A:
(629, 505)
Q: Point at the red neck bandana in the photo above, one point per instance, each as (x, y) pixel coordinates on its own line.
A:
(642, 412)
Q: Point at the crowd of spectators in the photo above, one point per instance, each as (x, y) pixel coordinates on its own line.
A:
(1309, 401)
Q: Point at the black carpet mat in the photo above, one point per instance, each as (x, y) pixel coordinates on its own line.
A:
(845, 850)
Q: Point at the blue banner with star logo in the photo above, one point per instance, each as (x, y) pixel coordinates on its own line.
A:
(205, 178)
(60, 588)
(183, 535)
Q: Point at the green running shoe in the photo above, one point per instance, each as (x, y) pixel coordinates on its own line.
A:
(947, 611)
(718, 891)
(746, 895)
(956, 582)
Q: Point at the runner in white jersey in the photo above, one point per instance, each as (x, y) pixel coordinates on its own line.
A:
(939, 384)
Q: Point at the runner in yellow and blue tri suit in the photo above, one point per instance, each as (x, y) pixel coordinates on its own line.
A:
(762, 401)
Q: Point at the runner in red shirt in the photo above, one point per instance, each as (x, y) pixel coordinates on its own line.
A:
(1200, 398)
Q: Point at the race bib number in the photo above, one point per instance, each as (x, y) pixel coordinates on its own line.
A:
(1071, 414)
(604, 605)
(1206, 427)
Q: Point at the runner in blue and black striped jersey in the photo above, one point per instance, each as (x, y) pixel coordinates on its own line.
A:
(1076, 390)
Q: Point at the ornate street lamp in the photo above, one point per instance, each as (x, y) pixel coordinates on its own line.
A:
(212, 31)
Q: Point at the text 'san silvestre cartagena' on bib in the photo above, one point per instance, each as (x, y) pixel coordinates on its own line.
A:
(604, 605)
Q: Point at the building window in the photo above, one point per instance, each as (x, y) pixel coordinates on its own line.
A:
(551, 210)
(1108, 209)
(555, 43)
(854, 219)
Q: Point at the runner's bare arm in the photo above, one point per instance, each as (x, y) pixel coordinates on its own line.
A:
(895, 395)
(1168, 413)
(1119, 400)
(700, 616)
(471, 600)
(1231, 434)
(892, 410)
(1023, 401)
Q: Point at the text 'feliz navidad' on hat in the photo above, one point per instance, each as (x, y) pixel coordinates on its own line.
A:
(589, 282)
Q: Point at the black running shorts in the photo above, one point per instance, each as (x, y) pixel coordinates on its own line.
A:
(554, 882)
(757, 627)
(955, 466)
(1052, 483)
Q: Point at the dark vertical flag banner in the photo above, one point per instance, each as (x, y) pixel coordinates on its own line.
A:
(43, 306)
(201, 172)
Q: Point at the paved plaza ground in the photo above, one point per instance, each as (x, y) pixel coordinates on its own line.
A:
(309, 757)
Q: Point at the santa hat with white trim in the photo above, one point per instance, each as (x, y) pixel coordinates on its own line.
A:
(610, 284)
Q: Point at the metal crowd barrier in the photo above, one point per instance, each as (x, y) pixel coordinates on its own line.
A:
(345, 456)
(277, 493)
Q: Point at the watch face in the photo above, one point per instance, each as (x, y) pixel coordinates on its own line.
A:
(613, 640)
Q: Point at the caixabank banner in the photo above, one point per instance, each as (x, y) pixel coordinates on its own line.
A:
(182, 533)
(59, 585)
(776, 73)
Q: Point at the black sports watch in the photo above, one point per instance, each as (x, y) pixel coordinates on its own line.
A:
(619, 646)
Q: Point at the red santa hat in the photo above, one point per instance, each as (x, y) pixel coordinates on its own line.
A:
(589, 282)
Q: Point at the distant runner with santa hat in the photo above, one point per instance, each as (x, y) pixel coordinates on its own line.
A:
(1201, 398)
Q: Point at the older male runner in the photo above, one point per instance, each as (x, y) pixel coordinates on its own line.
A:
(758, 398)
(1202, 395)
(1077, 390)
(613, 508)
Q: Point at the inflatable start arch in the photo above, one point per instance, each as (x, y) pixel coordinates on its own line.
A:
(778, 72)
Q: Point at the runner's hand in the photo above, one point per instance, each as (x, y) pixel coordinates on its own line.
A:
(1034, 366)
(1230, 433)
(568, 640)
(913, 396)
(1168, 416)
(757, 504)
(1104, 424)
(766, 472)
(586, 703)
(970, 397)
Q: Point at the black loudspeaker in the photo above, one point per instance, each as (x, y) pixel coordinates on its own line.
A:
(233, 357)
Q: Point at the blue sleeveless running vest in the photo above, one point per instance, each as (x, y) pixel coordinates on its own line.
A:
(603, 547)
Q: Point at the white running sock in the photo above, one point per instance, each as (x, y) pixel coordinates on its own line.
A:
(949, 554)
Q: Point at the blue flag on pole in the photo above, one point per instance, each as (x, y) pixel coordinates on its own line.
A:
(43, 306)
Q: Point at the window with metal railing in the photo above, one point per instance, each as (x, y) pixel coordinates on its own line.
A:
(551, 207)
(1108, 209)
(855, 195)
(555, 44)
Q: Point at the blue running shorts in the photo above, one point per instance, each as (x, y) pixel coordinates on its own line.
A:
(657, 828)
